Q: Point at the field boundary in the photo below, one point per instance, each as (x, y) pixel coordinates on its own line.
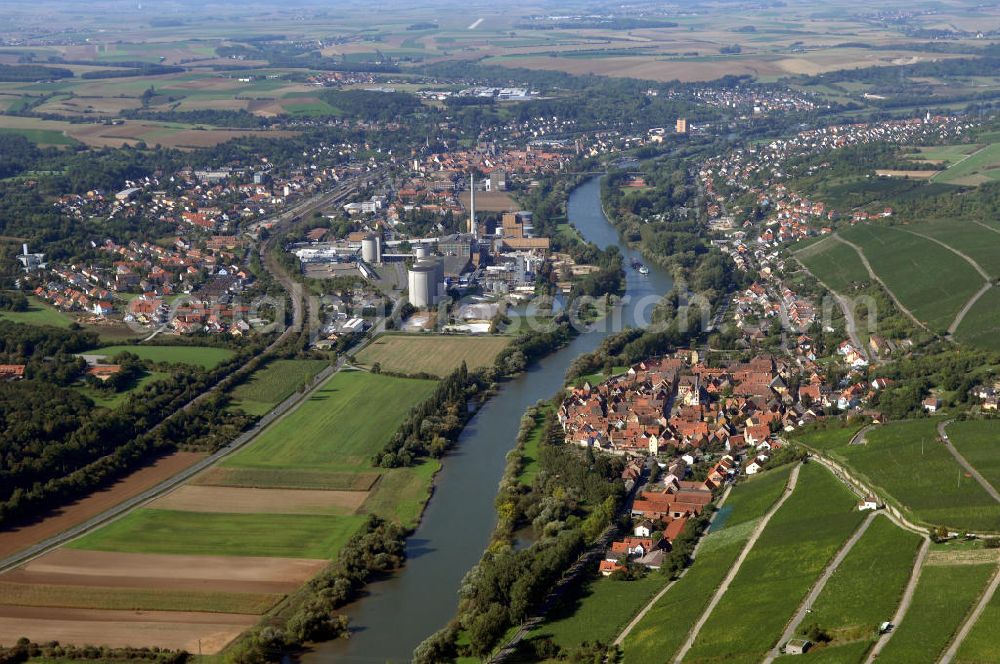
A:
(904, 602)
(962, 461)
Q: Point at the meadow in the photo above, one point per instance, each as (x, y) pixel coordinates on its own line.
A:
(908, 462)
(38, 313)
(931, 281)
(214, 534)
(206, 357)
(274, 383)
(663, 629)
(436, 355)
(114, 399)
(944, 596)
(867, 587)
(529, 457)
(792, 551)
(338, 428)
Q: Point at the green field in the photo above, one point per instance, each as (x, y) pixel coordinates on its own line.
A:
(979, 167)
(946, 153)
(338, 428)
(865, 590)
(38, 313)
(907, 461)
(980, 244)
(203, 356)
(44, 137)
(215, 534)
(791, 552)
(662, 631)
(931, 281)
(437, 355)
(134, 599)
(979, 442)
(834, 263)
(980, 325)
(982, 645)
(529, 458)
(944, 596)
(849, 653)
(274, 383)
(401, 493)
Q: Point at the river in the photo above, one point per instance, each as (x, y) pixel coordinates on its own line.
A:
(401, 611)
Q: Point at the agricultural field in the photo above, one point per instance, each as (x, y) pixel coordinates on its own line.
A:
(204, 356)
(818, 518)
(981, 643)
(981, 242)
(834, 263)
(866, 588)
(979, 442)
(274, 383)
(312, 536)
(942, 154)
(945, 594)
(906, 460)
(976, 168)
(662, 631)
(979, 327)
(437, 355)
(931, 281)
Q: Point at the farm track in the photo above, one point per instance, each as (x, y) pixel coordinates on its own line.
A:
(873, 275)
(971, 619)
(904, 603)
(968, 307)
(806, 606)
(859, 437)
(649, 605)
(852, 325)
(734, 570)
(963, 462)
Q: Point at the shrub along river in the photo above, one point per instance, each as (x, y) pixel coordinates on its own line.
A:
(401, 611)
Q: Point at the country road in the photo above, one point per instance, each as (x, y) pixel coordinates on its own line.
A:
(817, 588)
(793, 479)
(943, 433)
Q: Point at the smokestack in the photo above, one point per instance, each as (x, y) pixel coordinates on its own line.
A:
(24, 248)
(472, 206)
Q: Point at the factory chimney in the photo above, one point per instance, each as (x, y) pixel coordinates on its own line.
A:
(472, 206)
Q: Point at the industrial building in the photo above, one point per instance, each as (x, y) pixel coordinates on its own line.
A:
(423, 282)
(371, 249)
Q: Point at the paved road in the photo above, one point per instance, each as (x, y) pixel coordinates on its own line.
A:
(971, 619)
(817, 588)
(734, 570)
(694, 554)
(859, 437)
(942, 431)
(904, 604)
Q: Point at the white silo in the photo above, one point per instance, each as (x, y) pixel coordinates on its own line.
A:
(371, 249)
(421, 279)
(421, 250)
